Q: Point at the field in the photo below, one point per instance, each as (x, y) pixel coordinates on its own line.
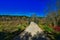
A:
(11, 26)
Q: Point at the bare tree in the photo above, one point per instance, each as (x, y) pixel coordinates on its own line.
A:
(34, 18)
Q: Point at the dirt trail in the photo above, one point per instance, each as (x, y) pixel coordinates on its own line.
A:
(33, 29)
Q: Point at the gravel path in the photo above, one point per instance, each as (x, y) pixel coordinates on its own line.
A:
(33, 28)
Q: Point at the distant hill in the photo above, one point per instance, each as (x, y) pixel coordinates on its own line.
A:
(11, 17)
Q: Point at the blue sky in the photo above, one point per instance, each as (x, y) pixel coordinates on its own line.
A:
(27, 7)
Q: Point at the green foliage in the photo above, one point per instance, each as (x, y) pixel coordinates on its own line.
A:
(48, 29)
(21, 27)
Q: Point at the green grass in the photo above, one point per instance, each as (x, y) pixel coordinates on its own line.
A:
(55, 35)
(9, 29)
